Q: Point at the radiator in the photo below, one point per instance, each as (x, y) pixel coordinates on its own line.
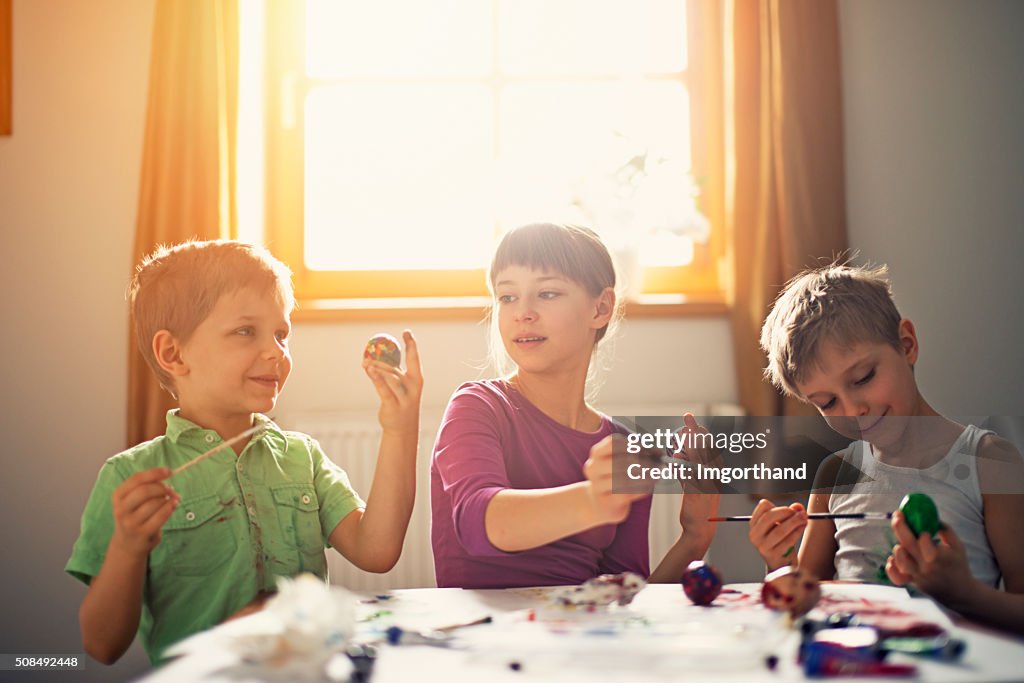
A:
(352, 441)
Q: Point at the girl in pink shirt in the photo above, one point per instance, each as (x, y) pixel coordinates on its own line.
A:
(521, 477)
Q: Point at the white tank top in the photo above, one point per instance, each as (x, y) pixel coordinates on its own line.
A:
(952, 482)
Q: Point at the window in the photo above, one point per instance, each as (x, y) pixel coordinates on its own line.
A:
(405, 137)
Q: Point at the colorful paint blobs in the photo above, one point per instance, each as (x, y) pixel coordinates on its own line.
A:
(702, 583)
(603, 590)
(383, 347)
(827, 660)
(921, 514)
(790, 590)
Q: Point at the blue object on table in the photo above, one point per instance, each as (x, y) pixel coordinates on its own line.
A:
(397, 635)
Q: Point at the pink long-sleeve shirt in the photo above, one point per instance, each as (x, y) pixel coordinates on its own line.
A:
(491, 438)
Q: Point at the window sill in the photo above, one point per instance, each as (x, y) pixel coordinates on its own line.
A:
(475, 308)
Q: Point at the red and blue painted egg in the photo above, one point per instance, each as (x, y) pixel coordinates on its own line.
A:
(702, 583)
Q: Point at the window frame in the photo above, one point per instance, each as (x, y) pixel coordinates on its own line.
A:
(322, 294)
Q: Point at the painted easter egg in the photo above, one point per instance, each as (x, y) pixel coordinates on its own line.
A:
(790, 590)
(603, 590)
(702, 583)
(921, 514)
(383, 347)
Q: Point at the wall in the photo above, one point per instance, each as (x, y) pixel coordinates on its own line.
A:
(68, 191)
(933, 104)
(672, 362)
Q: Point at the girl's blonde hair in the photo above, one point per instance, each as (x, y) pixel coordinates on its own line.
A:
(572, 251)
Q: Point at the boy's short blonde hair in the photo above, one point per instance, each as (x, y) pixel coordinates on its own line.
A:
(176, 287)
(838, 303)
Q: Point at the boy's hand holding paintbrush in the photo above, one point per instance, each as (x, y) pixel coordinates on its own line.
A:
(142, 505)
(144, 502)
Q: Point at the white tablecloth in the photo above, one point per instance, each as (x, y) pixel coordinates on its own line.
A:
(661, 636)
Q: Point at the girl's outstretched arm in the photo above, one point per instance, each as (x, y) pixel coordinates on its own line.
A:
(524, 519)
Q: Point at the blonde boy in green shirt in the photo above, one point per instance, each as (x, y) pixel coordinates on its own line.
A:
(171, 557)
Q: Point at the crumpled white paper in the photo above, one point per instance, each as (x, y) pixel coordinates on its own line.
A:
(295, 635)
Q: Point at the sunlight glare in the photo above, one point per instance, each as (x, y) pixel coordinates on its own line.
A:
(388, 38)
(582, 37)
(392, 169)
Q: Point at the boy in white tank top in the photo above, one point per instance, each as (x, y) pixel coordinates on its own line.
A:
(835, 339)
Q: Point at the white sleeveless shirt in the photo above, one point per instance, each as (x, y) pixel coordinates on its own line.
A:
(952, 482)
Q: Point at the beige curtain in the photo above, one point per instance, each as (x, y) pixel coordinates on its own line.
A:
(188, 162)
(6, 68)
(768, 95)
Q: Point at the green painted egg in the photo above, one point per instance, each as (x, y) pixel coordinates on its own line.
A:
(921, 514)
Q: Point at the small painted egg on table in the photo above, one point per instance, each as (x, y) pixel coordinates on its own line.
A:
(790, 590)
(921, 514)
(702, 583)
(603, 590)
(383, 347)
(620, 588)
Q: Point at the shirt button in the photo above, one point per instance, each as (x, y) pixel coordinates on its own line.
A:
(305, 499)
(252, 510)
(209, 438)
(190, 515)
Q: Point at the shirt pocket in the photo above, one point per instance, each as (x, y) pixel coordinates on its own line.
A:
(298, 511)
(193, 542)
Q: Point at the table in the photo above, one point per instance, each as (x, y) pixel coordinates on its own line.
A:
(661, 636)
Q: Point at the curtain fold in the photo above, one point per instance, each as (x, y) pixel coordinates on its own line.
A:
(769, 83)
(6, 69)
(187, 187)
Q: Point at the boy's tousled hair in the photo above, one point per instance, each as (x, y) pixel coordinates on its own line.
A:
(840, 303)
(176, 287)
(573, 251)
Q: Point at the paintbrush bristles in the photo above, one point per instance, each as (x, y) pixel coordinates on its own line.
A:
(217, 449)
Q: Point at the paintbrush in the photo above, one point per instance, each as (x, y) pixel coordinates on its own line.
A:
(439, 637)
(217, 449)
(814, 515)
(476, 622)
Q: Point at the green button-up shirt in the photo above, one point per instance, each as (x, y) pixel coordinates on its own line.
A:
(243, 521)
